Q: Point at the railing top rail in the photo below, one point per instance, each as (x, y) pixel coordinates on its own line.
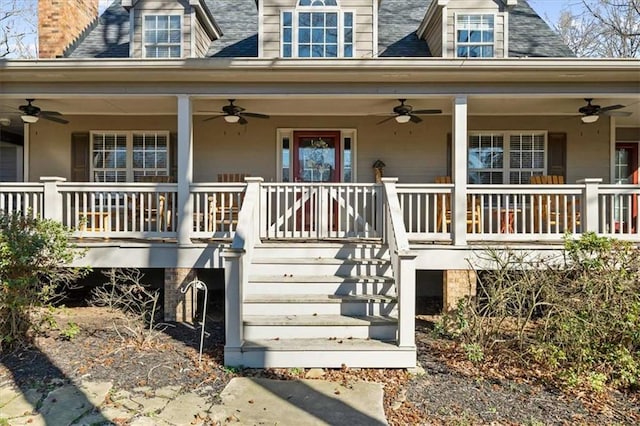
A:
(217, 187)
(324, 184)
(526, 189)
(619, 189)
(21, 187)
(396, 224)
(117, 187)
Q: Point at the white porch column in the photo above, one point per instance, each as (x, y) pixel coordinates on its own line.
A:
(590, 214)
(26, 150)
(52, 197)
(459, 150)
(185, 170)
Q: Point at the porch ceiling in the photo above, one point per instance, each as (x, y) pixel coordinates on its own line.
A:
(298, 105)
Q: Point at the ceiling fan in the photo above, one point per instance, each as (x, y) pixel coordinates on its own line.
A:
(591, 113)
(404, 113)
(235, 114)
(31, 114)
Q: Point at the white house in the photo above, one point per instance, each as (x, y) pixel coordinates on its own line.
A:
(241, 135)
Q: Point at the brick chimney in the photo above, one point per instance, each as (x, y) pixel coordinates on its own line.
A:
(60, 22)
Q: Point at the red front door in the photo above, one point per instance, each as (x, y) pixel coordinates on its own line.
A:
(626, 172)
(316, 159)
(316, 156)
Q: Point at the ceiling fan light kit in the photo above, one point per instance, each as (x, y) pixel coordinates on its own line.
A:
(30, 119)
(587, 119)
(231, 118)
(403, 118)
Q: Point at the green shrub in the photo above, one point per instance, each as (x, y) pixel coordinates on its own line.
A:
(579, 315)
(34, 258)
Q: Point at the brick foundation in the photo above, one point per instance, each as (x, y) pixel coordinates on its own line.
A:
(178, 306)
(457, 284)
(60, 22)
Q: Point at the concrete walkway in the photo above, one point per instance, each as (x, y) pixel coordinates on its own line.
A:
(245, 401)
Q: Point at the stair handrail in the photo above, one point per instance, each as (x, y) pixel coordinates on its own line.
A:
(402, 264)
(237, 260)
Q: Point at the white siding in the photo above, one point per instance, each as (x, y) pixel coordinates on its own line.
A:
(202, 40)
(412, 152)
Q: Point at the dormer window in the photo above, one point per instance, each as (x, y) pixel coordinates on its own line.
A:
(317, 29)
(474, 36)
(162, 36)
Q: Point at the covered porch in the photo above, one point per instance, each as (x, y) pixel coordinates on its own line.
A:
(314, 229)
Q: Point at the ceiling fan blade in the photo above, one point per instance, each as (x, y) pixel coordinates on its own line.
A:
(55, 113)
(242, 120)
(54, 118)
(387, 119)
(611, 108)
(427, 111)
(617, 113)
(415, 119)
(254, 115)
(213, 118)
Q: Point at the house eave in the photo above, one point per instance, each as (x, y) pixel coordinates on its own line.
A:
(428, 15)
(402, 70)
(206, 17)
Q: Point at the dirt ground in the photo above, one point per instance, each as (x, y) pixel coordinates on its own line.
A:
(447, 390)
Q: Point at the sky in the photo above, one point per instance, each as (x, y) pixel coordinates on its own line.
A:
(550, 9)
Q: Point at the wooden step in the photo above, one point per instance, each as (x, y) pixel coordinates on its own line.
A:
(322, 266)
(328, 353)
(320, 304)
(287, 283)
(319, 326)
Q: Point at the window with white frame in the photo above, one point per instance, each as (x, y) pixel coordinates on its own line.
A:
(162, 36)
(475, 36)
(126, 156)
(506, 157)
(317, 29)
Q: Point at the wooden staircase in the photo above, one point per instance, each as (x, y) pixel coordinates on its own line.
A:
(321, 304)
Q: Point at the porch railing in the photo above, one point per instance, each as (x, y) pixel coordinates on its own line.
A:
(321, 210)
(618, 211)
(128, 210)
(215, 209)
(23, 198)
(526, 213)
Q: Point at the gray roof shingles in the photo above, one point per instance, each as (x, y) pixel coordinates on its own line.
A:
(529, 35)
(398, 21)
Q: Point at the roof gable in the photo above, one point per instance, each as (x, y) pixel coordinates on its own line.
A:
(398, 21)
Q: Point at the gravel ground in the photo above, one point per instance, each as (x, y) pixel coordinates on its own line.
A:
(447, 391)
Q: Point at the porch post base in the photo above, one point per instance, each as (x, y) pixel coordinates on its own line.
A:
(179, 306)
(457, 284)
(233, 356)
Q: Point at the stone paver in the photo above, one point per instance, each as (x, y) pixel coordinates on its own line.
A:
(67, 403)
(19, 404)
(244, 401)
(309, 402)
(185, 408)
(150, 405)
(7, 394)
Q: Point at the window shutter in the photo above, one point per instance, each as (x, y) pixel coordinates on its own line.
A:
(173, 157)
(557, 154)
(80, 146)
